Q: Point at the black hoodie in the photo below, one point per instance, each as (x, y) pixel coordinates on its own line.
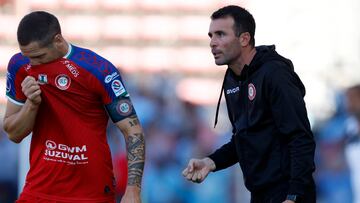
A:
(272, 139)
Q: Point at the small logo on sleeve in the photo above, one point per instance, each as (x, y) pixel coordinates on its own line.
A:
(110, 77)
(124, 107)
(118, 88)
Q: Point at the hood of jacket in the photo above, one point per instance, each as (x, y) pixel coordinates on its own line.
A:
(265, 54)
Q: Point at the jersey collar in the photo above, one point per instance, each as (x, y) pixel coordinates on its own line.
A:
(69, 51)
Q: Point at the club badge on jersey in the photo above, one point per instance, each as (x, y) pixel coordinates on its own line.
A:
(62, 82)
(42, 78)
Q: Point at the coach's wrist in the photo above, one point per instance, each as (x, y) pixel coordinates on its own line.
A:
(210, 163)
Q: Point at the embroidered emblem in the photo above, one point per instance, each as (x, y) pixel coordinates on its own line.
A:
(62, 81)
(42, 78)
(251, 91)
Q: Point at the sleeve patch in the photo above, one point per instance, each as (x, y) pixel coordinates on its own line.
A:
(120, 109)
(124, 107)
(118, 88)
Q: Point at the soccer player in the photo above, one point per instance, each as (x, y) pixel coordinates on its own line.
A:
(272, 139)
(65, 95)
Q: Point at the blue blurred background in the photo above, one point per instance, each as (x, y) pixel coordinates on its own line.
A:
(162, 49)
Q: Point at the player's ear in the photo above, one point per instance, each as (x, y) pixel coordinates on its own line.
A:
(58, 40)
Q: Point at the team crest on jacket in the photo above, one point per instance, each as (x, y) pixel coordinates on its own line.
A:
(251, 91)
(62, 81)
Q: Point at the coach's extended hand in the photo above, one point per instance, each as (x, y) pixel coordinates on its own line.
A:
(198, 169)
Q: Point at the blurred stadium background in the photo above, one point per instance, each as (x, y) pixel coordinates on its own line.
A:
(161, 48)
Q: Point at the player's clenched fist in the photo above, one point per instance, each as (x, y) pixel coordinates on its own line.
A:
(198, 169)
(31, 90)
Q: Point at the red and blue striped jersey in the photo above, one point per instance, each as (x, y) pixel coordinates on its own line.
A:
(70, 158)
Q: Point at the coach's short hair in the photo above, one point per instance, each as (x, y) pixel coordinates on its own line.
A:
(39, 26)
(243, 20)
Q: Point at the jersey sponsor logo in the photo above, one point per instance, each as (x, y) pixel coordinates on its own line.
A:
(62, 82)
(124, 107)
(50, 145)
(251, 91)
(62, 153)
(73, 70)
(110, 77)
(42, 78)
(8, 82)
(118, 88)
(233, 90)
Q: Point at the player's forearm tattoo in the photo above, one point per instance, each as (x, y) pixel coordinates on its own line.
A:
(133, 121)
(136, 158)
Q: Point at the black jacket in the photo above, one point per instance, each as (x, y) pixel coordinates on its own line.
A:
(272, 139)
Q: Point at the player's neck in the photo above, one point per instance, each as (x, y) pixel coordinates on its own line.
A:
(64, 48)
(67, 49)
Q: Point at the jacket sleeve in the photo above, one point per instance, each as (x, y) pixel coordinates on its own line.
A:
(285, 93)
(225, 156)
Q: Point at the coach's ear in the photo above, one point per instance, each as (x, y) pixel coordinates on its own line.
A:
(245, 39)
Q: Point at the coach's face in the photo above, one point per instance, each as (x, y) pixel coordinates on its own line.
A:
(41, 54)
(225, 45)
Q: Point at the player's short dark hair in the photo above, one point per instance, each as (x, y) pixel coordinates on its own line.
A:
(244, 21)
(39, 26)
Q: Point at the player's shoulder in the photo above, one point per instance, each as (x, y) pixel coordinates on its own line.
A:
(17, 61)
(91, 61)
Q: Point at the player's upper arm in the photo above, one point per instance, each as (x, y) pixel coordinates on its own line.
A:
(11, 109)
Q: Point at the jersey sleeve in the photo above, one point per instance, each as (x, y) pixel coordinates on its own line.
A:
(15, 75)
(109, 84)
(119, 105)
